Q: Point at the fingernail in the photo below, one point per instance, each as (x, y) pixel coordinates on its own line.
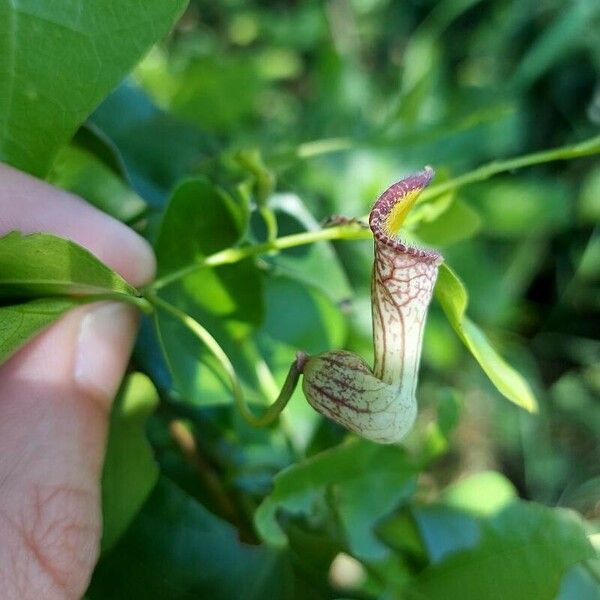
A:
(104, 343)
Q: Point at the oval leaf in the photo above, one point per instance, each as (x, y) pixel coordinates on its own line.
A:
(41, 264)
(21, 322)
(43, 101)
(453, 297)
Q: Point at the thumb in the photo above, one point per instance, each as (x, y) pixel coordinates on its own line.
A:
(55, 397)
(101, 349)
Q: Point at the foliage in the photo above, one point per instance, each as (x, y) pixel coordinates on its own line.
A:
(229, 146)
(58, 63)
(453, 299)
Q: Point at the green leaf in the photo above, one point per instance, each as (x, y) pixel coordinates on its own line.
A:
(453, 297)
(57, 62)
(41, 264)
(484, 493)
(317, 324)
(483, 542)
(314, 264)
(21, 322)
(437, 436)
(458, 222)
(157, 149)
(177, 549)
(81, 172)
(588, 203)
(520, 553)
(130, 472)
(197, 377)
(219, 92)
(556, 41)
(202, 219)
(92, 139)
(385, 484)
(368, 481)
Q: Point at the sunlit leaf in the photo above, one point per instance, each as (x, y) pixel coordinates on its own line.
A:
(20, 322)
(40, 264)
(458, 222)
(512, 207)
(315, 264)
(485, 493)
(453, 297)
(202, 219)
(57, 62)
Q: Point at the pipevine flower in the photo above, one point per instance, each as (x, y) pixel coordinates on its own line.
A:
(379, 404)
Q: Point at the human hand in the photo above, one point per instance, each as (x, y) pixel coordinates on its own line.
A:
(55, 399)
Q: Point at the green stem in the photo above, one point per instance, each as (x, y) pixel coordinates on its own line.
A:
(209, 341)
(354, 232)
(270, 221)
(585, 148)
(233, 255)
(324, 146)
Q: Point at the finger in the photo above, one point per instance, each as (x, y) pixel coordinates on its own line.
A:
(31, 205)
(55, 396)
(54, 400)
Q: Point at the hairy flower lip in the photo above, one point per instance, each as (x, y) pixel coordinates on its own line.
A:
(387, 201)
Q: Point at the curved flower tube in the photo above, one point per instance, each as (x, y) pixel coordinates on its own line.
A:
(379, 404)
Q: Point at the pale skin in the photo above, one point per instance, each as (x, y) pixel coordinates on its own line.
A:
(55, 399)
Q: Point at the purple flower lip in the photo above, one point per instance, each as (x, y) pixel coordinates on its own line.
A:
(391, 209)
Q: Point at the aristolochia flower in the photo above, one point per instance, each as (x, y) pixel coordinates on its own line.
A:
(380, 404)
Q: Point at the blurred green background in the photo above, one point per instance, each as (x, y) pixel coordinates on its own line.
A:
(345, 97)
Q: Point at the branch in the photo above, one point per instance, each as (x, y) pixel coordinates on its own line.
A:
(275, 409)
(352, 231)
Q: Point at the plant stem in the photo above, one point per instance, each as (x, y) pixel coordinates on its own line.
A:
(324, 146)
(270, 221)
(209, 341)
(233, 255)
(585, 148)
(354, 232)
(184, 439)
